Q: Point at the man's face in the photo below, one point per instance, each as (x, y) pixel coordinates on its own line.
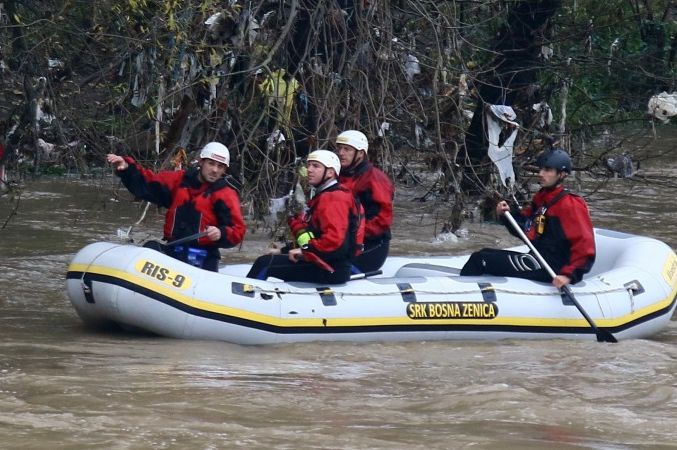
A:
(549, 177)
(211, 170)
(316, 173)
(346, 154)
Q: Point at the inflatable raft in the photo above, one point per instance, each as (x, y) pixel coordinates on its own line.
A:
(630, 293)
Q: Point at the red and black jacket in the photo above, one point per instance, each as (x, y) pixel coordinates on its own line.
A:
(567, 239)
(375, 191)
(336, 220)
(192, 205)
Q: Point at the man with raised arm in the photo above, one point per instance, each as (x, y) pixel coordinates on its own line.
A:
(198, 200)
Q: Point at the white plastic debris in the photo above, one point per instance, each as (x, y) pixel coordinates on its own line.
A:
(385, 126)
(445, 237)
(546, 51)
(275, 138)
(544, 113)
(504, 113)
(501, 156)
(411, 67)
(213, 18)
(663, 106)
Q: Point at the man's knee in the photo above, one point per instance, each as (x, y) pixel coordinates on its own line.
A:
(155, 245)
(475, 264)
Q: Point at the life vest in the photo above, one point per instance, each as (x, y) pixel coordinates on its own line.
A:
(538, 219)
(558, 223)
(335, 220)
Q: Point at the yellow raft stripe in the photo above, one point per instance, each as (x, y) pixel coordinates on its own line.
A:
(364, 321)
(153, 286)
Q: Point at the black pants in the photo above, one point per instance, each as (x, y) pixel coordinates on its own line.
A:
(505, 263)
(279, 266)
(211, 261)
(373, 256)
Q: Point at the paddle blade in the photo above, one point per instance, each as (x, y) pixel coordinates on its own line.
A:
(605, 336)
(602, 335)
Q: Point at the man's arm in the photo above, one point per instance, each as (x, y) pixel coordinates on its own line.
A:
(229, 215)
(144, 183)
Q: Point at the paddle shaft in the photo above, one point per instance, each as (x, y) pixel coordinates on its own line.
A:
(359, 276)
(602, 335)
(526, 240)
(313, 258)
(192, 237)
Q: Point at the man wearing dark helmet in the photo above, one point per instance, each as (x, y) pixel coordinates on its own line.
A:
(556, 221)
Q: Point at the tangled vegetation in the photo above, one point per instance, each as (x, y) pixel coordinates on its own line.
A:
(273, 79)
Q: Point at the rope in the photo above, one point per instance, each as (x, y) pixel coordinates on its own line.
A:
(84, 272)
(251, 288)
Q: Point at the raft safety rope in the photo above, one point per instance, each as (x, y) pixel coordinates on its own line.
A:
(249, 288)
(91, 263)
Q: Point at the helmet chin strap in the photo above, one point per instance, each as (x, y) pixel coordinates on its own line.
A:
(354, 163)
(323, 184)
(323, 179)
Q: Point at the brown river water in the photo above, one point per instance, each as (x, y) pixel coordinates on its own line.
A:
(63, 386)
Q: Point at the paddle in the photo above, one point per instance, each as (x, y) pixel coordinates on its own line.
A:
(315, 259)
(192, 237)
(359, 276)
(602, 335)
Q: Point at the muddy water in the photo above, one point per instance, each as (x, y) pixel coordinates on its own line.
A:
(65, 387)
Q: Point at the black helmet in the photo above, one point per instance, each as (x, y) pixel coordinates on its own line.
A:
(556, 159)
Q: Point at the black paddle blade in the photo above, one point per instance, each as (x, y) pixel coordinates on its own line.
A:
(602, 335)
(605, 336)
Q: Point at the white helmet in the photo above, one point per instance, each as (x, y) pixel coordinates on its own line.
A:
(327, 159)
(216, 151)
(354, 138)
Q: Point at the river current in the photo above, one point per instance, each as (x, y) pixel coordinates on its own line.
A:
(63, 386)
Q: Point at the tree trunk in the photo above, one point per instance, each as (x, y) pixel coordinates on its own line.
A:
(511, 80)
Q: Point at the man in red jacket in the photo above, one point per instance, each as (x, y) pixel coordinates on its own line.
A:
(197, 200)
(328, 234)
(557, 222)
(375, 192)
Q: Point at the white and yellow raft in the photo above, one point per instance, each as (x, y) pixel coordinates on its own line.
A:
(630, 293)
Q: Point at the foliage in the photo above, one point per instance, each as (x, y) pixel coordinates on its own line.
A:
(152, 78)
(612, 62)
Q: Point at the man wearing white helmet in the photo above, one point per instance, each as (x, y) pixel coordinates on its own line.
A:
(374, 190)
(198, 200)
(328, 234)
